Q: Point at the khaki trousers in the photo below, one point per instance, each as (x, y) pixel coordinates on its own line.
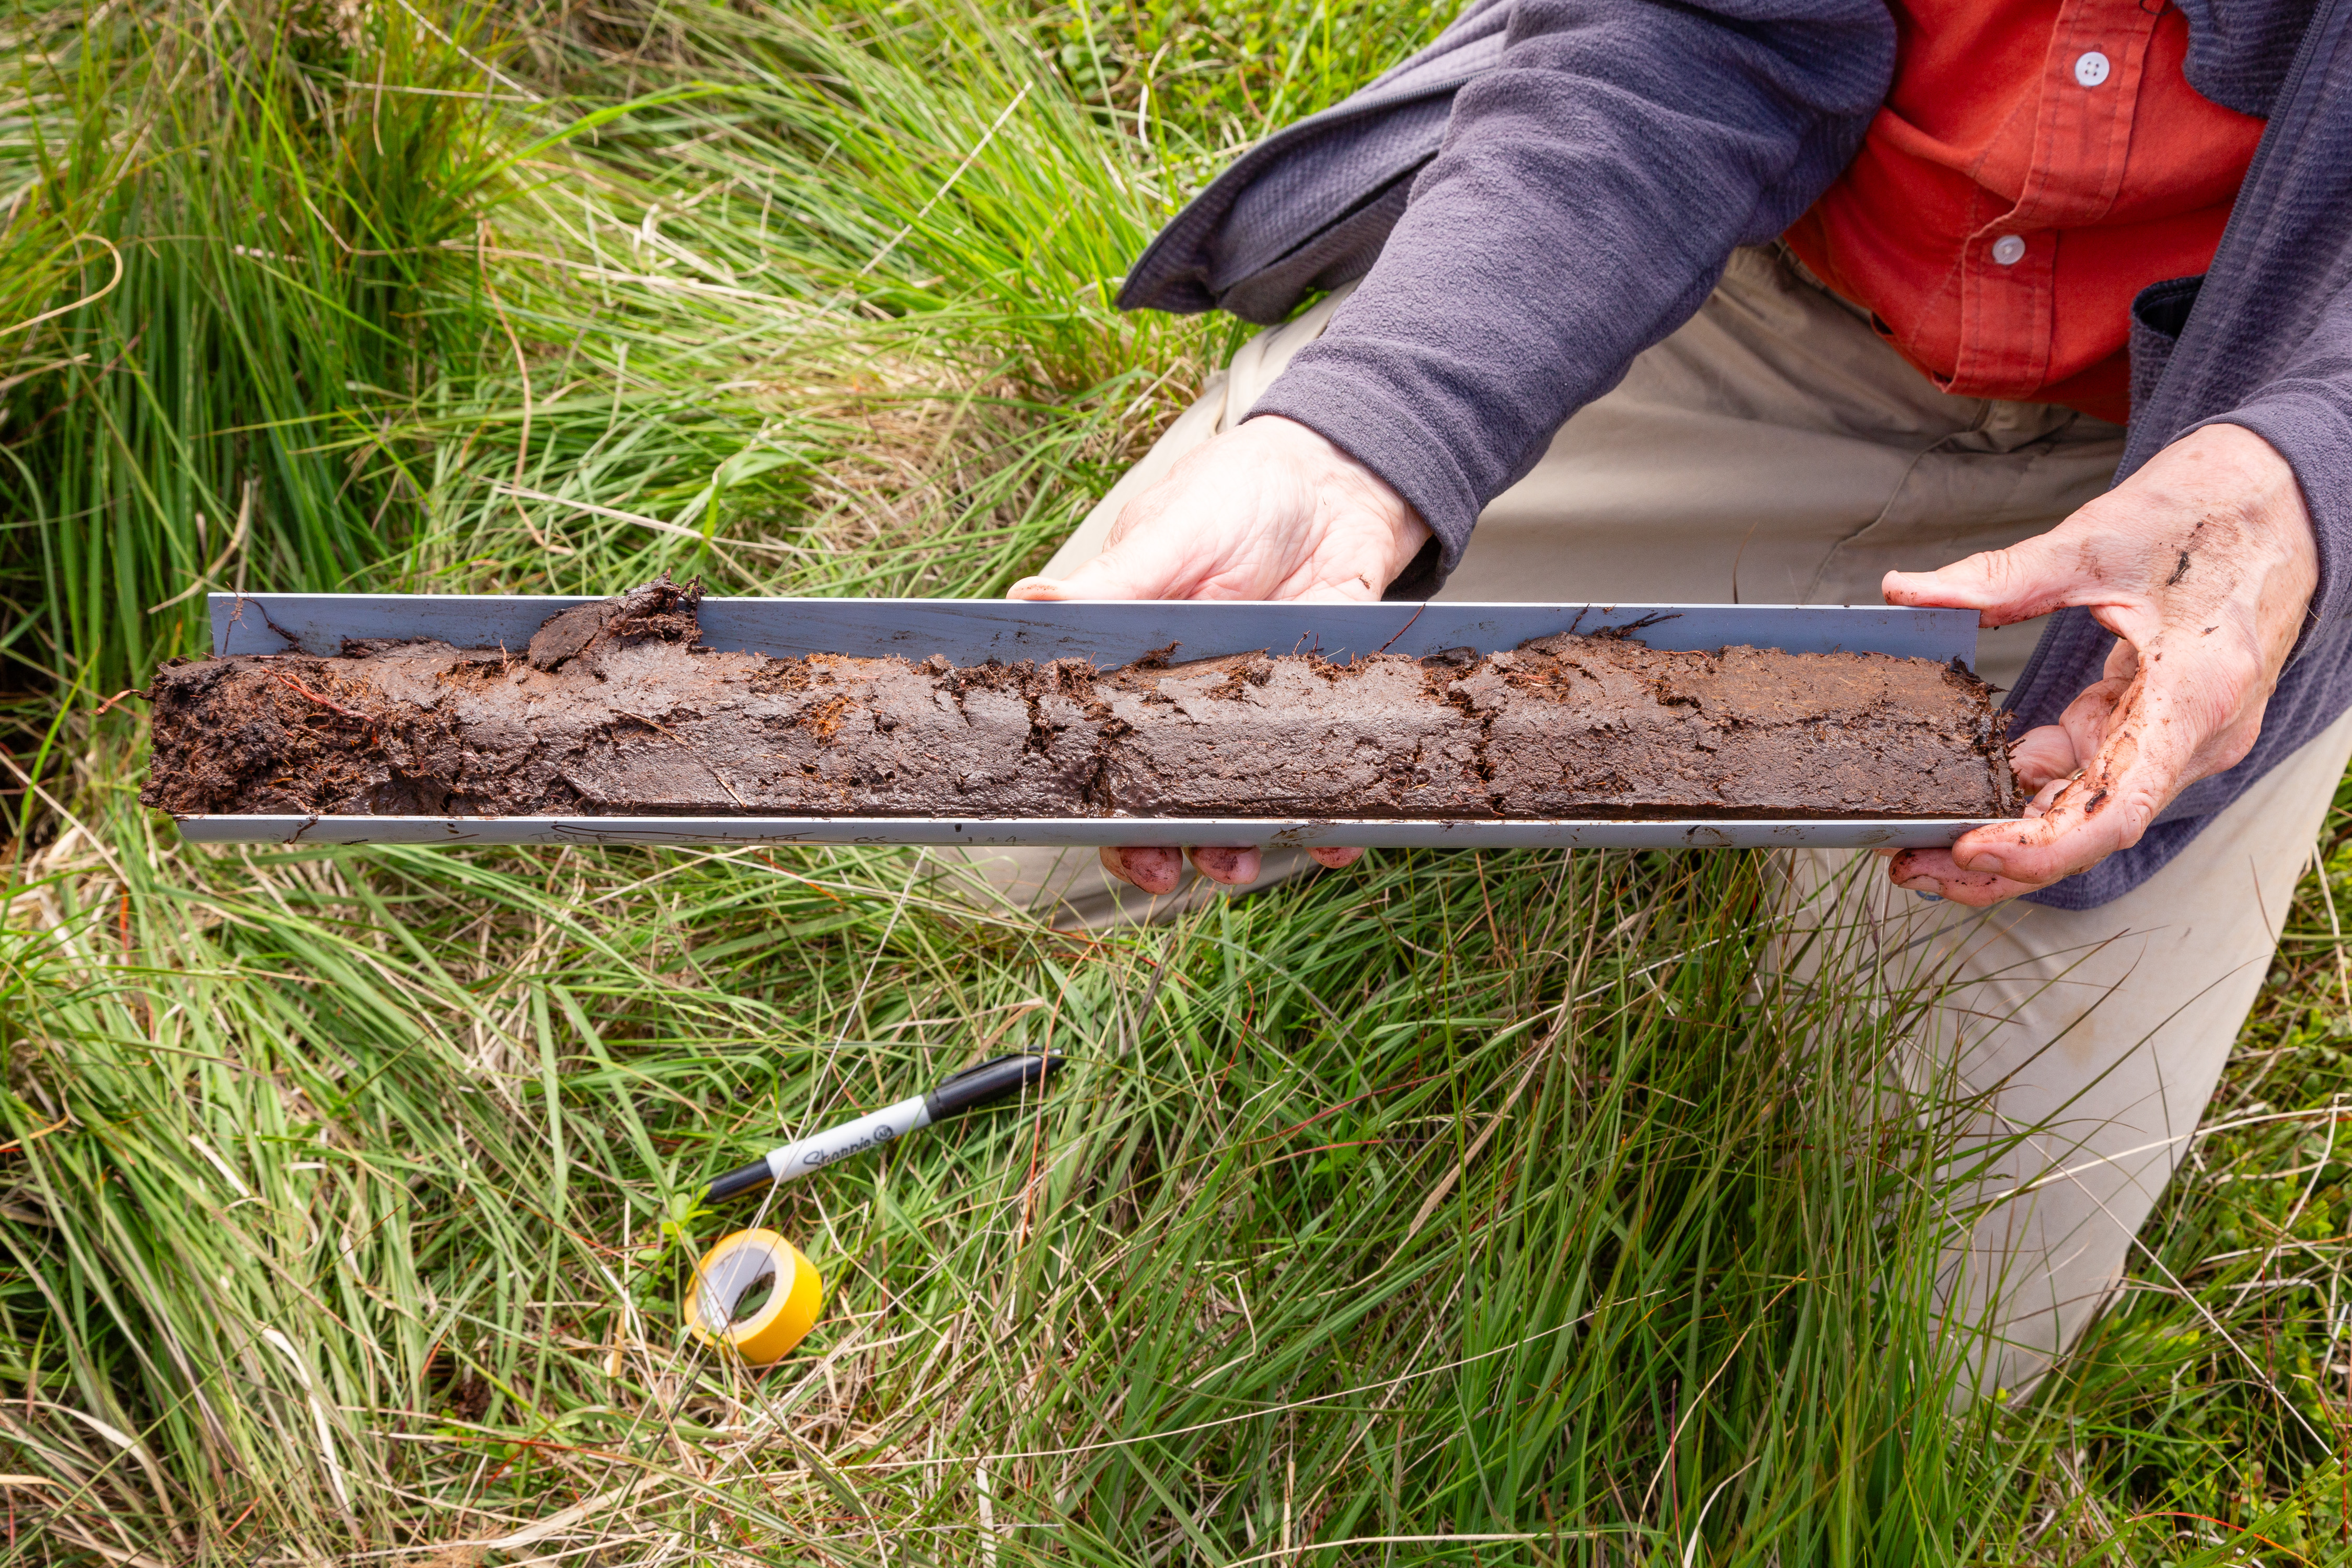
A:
(1776, 450)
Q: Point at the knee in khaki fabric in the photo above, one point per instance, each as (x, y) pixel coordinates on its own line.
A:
(2082, 1045)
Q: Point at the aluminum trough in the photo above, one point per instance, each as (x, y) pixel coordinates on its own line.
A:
(972, 631)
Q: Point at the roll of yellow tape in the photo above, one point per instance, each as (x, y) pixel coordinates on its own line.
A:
(732, 1270)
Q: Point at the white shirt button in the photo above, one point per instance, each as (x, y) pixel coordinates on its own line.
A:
(2008, 249)
(2091, 68)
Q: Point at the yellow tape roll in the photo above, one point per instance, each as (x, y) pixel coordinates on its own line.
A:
(729, 1271)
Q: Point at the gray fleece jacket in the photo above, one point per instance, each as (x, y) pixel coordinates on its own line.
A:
(1554, 186)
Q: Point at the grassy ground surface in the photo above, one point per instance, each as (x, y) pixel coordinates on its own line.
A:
(1475, 1209)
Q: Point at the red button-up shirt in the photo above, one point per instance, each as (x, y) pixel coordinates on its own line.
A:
(2036, 164)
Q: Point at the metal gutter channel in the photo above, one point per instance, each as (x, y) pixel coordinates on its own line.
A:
(972, 631)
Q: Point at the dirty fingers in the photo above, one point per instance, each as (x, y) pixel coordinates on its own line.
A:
(2202, 564)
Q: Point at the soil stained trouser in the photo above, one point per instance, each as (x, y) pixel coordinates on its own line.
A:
(1775, 450)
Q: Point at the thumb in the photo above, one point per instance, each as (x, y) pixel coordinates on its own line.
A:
(1128, 570)
(2031, 577)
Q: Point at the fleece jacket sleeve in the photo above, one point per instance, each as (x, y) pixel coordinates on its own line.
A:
(1589, 191)
(2305, 413)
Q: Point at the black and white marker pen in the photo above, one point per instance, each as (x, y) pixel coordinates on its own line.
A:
(975, 1086)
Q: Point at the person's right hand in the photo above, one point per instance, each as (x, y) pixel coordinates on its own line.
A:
(1269, 510)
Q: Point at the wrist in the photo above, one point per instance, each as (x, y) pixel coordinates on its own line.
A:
(2274, 518)
(2272, 496)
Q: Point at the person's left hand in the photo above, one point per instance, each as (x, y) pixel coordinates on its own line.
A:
(2203, 564)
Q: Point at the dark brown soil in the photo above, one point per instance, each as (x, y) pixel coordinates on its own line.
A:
(615, 709)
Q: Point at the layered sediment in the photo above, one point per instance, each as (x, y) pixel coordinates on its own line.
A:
(616, 710)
